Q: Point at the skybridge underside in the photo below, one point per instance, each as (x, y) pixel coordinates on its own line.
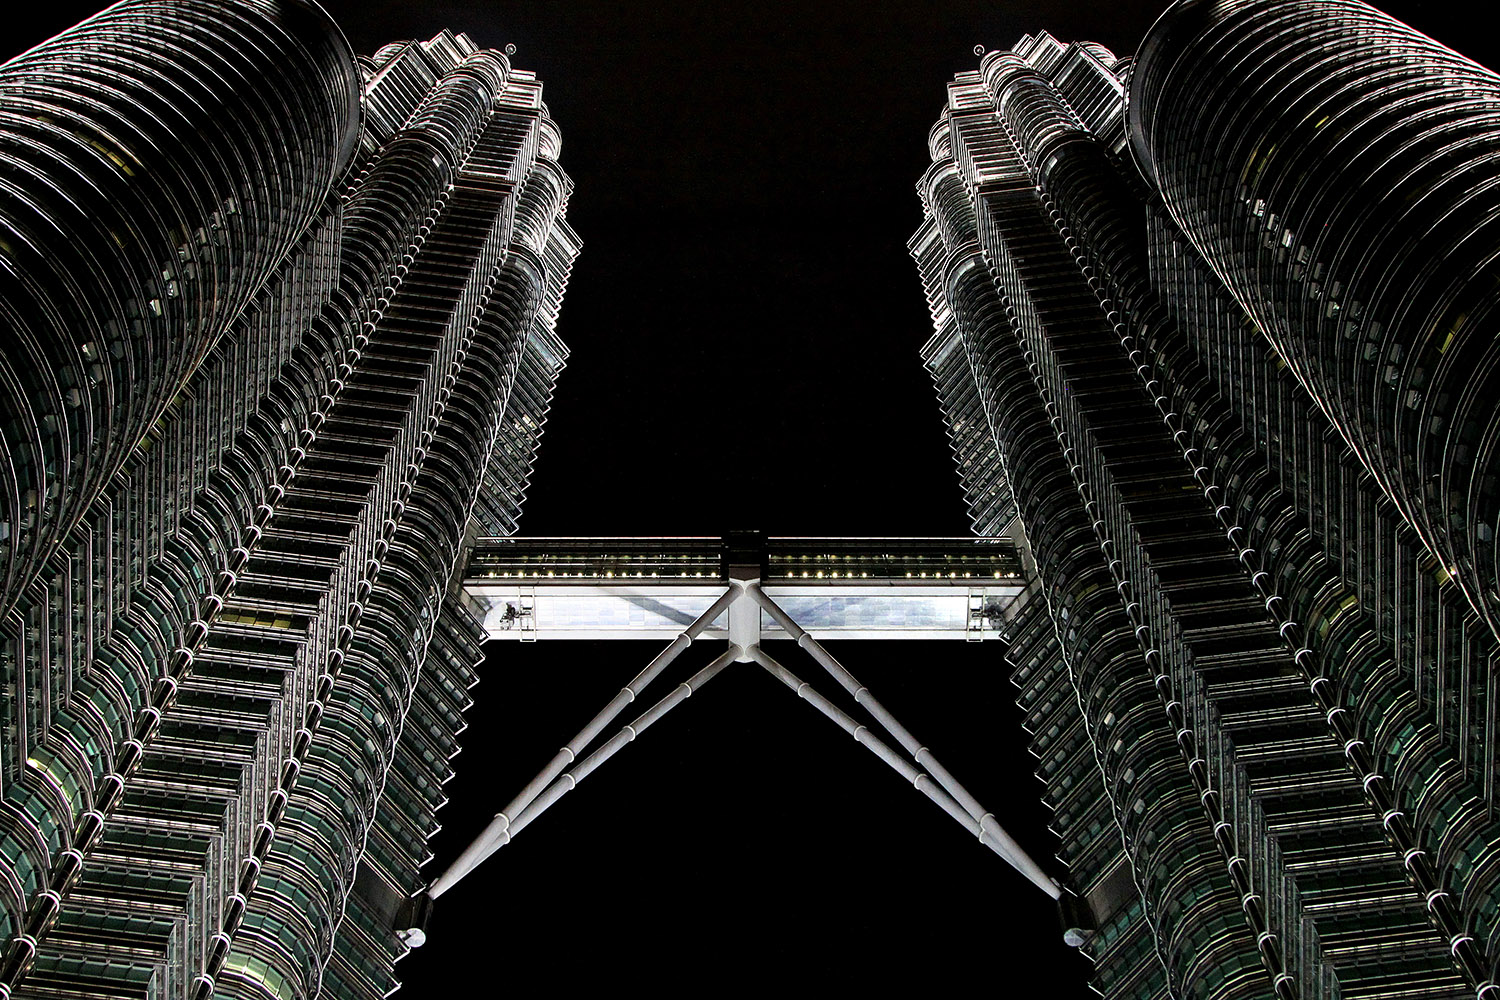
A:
(584, 588)
(743, 589)
(527, 613)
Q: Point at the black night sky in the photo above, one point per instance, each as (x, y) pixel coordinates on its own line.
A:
(744, 321)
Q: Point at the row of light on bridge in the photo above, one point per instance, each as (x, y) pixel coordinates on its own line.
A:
(688, 576)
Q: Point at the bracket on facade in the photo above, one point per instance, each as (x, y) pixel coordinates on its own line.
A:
(526, 614)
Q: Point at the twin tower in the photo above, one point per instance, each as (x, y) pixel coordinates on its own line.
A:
(1215, 339)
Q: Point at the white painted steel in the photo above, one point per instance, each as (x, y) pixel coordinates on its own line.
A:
(983, 819)
(568, 780)
(752, 616)
(480, 847)
(922, 782)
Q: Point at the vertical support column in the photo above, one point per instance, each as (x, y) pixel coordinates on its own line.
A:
(526, 619)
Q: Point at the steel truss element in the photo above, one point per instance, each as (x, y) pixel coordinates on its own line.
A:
(486, 843)
(974, 817)
(744, 602)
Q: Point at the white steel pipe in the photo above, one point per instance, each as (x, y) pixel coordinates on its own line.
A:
(569, 780)
(983, 821)
(480, 847)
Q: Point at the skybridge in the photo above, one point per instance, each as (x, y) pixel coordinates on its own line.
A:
(836, 588)
(742, 589)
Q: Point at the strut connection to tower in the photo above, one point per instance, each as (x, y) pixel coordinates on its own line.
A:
(739, 609)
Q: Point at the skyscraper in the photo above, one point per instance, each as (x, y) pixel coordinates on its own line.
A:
(1214, 340)
(1221, 347)
(278, 342)
(278, 327)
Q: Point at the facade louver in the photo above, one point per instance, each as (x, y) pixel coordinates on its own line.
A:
(279, 341)
(1215, 339)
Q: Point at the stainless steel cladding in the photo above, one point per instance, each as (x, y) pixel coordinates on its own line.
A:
(280, 343)
(157, 171)
(1337, 167)
(1242, 401)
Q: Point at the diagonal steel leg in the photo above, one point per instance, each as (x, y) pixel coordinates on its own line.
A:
(481, 848)
(994, 833)
(569, 780)
(923, 782)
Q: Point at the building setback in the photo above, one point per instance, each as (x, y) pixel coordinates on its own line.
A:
(278, 327)
(1214, 338)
